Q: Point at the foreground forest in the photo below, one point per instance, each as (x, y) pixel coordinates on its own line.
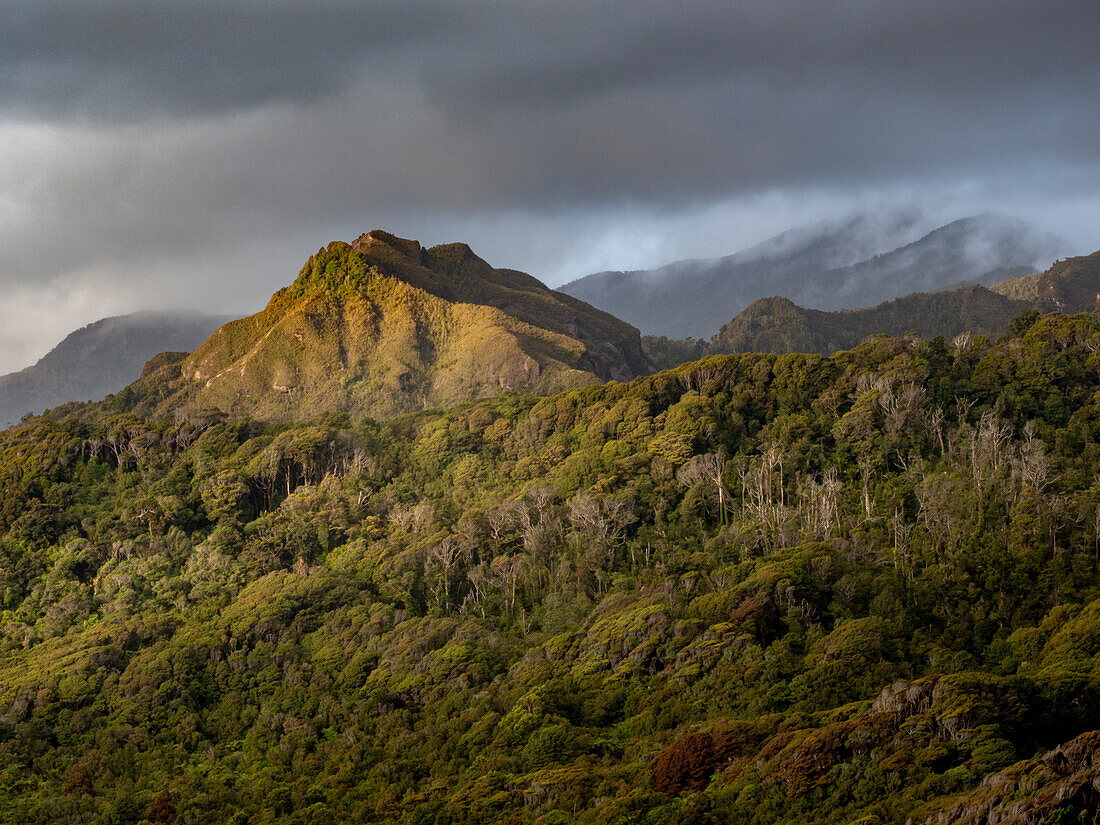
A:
(752, 589)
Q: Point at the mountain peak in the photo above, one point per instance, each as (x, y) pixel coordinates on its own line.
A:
(381, 244)
(383, 326)
(452, 257)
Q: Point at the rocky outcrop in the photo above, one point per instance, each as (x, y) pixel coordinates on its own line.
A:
(1059, 786)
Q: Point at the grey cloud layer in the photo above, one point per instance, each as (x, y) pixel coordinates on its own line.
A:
(196, 56)
(541, 102)
(128, 60)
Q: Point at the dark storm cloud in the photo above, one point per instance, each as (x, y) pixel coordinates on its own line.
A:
(917, 47)
(128, 60)
(566, 100)
(193, 56)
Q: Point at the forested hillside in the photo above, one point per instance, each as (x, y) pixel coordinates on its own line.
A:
(779, 325)
(753, 589)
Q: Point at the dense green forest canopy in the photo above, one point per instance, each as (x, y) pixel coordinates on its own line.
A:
(755, 588)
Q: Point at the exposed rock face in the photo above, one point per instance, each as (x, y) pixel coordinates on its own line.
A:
(1064, 781)
(382, 326)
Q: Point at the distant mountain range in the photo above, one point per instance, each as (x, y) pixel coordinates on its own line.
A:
(779, 325)
(100, 358)
(862, 262)
(382, 326)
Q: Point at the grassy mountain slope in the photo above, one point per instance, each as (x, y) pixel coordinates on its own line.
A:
(382, 327)
(863, 262)
(453, 272)
(756, 589)
(99, 359)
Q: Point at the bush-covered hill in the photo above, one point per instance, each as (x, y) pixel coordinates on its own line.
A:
(385, 327)
(779, 325)
(1071, 285)
(757, 588)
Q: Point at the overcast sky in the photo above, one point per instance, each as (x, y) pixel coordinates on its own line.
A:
(193, 154)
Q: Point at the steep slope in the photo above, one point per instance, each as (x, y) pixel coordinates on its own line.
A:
(453, 272)
(382, 327)
(780, 325)
(100, 358)
(864, 261)
(1072, 285)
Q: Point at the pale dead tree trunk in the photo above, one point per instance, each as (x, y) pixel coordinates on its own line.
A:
(830, 496)
(901, 405)
(818, 503)
(713, 468)
(445, 556)
(935, 422)
(989, 451)
(866, 473)
(976, 470)
(506, 571)
(743, 477)
(501, 520)
(771, 456)
(994, 435)
(1057, 510)
(782, 486)
(513, 576)
(541, 499)
(1034, 464)
(962, 409)
(806, 491)
(477, 578)
(708, 468)
(902, 534)
(961, 343)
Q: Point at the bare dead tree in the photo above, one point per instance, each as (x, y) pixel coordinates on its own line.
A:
(708, 468)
